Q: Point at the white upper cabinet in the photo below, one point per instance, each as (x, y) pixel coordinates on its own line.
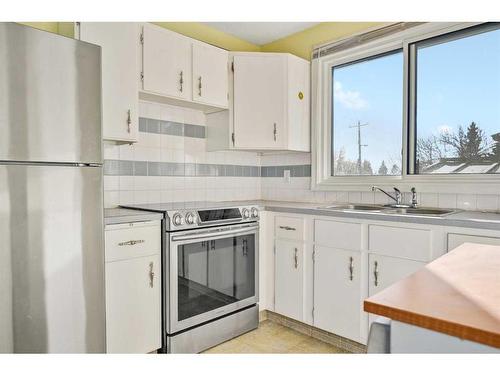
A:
(182, 71)
(259, 108)
(210, 75)
(166, 63)
(119, 50)
(269, 105)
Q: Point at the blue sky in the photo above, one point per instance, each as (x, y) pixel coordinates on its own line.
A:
(458, 82)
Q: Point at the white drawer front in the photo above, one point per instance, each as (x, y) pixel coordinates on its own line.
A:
(291, 228)
(400, 242)
(338, 235)
(455, 240)
(132, 240)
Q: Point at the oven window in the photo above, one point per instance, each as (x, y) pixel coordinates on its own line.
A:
(215, 273)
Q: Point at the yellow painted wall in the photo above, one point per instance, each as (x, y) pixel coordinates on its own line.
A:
(210, 35)
(61, 28)
(301, 43)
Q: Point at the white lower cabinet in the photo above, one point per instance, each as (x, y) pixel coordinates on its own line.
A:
(337, 291)
(385, 270)
(133, 287)
(289, 279)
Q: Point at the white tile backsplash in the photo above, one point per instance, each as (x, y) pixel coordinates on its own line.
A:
(177, 149)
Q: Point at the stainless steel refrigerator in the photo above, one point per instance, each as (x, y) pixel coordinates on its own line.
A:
(51, 209)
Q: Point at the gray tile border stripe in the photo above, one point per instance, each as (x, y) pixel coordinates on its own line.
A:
(114, 167)
(279, 170)
(148, 125)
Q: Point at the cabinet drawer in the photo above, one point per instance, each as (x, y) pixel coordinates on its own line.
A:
(400, 242)
(455, 240)
(290, 228)
(125, 241)
(346, 236)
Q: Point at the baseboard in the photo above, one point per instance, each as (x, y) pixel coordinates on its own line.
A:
(262, 315)
(328, 337)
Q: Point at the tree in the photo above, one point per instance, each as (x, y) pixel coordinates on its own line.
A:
(429, 150)
(382, 170)
(395, 170)
(366, 168)
(470, 145)
(344, 166)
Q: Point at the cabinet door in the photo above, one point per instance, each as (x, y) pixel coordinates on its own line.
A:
(119, 48)
(260, 84)
(289, 279)
(133, 318)
(337, 291)
(299, 102)
(166, 63)
(210, 75)
(385, 270)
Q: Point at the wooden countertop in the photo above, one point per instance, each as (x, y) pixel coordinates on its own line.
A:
(457, 294)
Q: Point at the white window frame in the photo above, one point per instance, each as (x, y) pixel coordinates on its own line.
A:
(321, 79)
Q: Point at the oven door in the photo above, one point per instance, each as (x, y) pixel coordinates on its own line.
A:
(213, 272)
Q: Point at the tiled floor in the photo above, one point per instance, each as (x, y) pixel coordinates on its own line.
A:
(272, 337)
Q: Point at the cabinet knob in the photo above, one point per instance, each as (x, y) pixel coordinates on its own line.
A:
(301, 95)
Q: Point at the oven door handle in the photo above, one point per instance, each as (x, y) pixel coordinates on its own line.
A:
(185, 237)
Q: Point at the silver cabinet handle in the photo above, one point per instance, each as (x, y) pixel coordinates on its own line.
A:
(286, 227)
(199, 86)
(275, 132)
(296, 257)
(181, 80)
(375, 273)
(351, 268)
(151, 275)
(130, 243)
(129, 121)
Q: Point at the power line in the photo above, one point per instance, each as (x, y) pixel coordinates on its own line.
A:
(359, 125)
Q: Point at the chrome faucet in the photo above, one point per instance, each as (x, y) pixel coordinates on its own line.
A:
(414, 203)
(397, 194)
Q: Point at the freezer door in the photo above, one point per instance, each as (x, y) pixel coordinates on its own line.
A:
(51, 260)
(50, 97)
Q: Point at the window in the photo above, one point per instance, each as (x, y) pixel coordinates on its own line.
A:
(457, 103)
(367, 116)
(409, 104)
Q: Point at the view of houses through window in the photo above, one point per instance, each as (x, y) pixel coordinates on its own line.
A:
(457, 109)
(458, 105)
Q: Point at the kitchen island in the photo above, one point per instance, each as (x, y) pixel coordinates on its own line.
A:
(452, 305)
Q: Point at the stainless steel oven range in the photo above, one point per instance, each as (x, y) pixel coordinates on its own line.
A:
(210, 274)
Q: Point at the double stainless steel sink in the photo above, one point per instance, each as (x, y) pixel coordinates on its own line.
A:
(388, 209)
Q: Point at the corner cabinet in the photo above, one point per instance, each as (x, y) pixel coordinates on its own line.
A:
(269, 105)
(133, 287)
(120, 101)
(178, 70)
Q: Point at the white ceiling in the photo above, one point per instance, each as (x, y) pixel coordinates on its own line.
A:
(261, 32)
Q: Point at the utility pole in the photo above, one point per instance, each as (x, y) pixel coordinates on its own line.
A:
(359, 125)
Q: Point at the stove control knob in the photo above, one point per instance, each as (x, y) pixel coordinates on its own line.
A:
(190, 218)
(246, 213)
(255, 212)
(177, 219)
